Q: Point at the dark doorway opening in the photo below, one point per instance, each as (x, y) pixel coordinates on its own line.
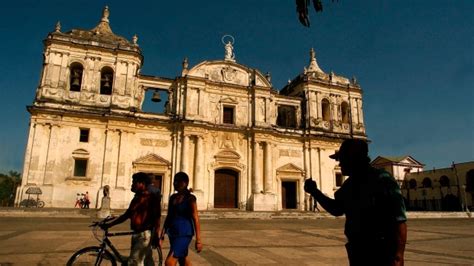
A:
(288, 194)
(157, 181)
(225, 188)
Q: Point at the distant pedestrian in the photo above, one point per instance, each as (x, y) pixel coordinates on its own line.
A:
(182, 222)
(86, 200)
(78, 201)
(373, 205)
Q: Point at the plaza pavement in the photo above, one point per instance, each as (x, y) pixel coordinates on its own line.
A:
(250, 241)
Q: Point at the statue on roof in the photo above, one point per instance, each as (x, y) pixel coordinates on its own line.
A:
(229, 48)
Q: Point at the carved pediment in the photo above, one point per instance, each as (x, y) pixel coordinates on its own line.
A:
(228, 72)
(227, 155)
(290, 168)
(152, 159)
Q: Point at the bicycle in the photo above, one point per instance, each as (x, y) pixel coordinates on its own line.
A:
(101, 255)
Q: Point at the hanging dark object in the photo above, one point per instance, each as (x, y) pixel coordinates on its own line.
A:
(156, 97)
(318, 5)
(302, 9)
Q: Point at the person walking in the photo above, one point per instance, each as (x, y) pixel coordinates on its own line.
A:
(154, 188)
(141, 212)
(371, 200)
(87, 201)
(182, 222)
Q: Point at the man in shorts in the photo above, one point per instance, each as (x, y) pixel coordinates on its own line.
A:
(142, 213)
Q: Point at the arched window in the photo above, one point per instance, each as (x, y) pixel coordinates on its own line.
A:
(426, 182)
(106, 80)
(345, 112)
(75, 76)
(325, 108)
(444, 181)
(412, 183)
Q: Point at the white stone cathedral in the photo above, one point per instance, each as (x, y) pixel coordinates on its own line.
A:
(244, 144)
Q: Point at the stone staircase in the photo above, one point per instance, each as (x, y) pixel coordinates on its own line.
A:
(209, 214)
(204, 215)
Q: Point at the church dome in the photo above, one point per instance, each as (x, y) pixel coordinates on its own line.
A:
(101, 35)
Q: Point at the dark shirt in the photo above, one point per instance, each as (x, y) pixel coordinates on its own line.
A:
(180, 213)
(373, 206)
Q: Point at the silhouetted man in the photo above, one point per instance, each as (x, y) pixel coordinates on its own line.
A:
(142, 213)
(373, 205)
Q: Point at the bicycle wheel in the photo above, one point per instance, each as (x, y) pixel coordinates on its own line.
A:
(90, 256)
(40, 204)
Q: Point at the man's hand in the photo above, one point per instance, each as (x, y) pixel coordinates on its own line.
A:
(104, 226)
(310, 186)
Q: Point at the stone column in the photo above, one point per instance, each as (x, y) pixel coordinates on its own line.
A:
(268, 168)
(307, 197)
(184, 154)
(256, 169)
(199, 164)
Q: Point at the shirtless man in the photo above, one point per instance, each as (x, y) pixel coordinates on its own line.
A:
(142, 212)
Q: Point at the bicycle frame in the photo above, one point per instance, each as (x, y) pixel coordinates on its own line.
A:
(107, 243)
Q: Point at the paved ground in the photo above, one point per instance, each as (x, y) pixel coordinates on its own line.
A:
(51, 241)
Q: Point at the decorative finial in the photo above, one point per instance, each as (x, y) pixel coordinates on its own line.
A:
(268, 76)
(354, 80)
(289, 81)
(135, 39)
(105, 14)
(185, 63)
(313, 65)
(58, 26)
(331, 75)
(229, 48)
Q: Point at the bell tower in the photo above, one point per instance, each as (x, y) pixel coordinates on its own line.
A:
(94, 68)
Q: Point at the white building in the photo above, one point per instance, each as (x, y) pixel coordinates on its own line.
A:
(244, 144)
(399, 167)
(444, 189)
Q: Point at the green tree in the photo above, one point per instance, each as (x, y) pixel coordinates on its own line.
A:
(8, 184)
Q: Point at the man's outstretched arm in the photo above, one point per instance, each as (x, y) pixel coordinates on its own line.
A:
(330, 205)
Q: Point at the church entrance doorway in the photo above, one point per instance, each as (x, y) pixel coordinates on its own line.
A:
(288, 194)
(157, 181)
(225, 188)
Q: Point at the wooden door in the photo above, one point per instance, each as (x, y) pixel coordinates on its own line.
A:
(225, 189)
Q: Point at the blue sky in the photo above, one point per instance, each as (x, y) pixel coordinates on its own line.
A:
(413, 59)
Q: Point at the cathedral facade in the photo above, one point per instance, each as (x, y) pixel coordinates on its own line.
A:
(244, 144)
